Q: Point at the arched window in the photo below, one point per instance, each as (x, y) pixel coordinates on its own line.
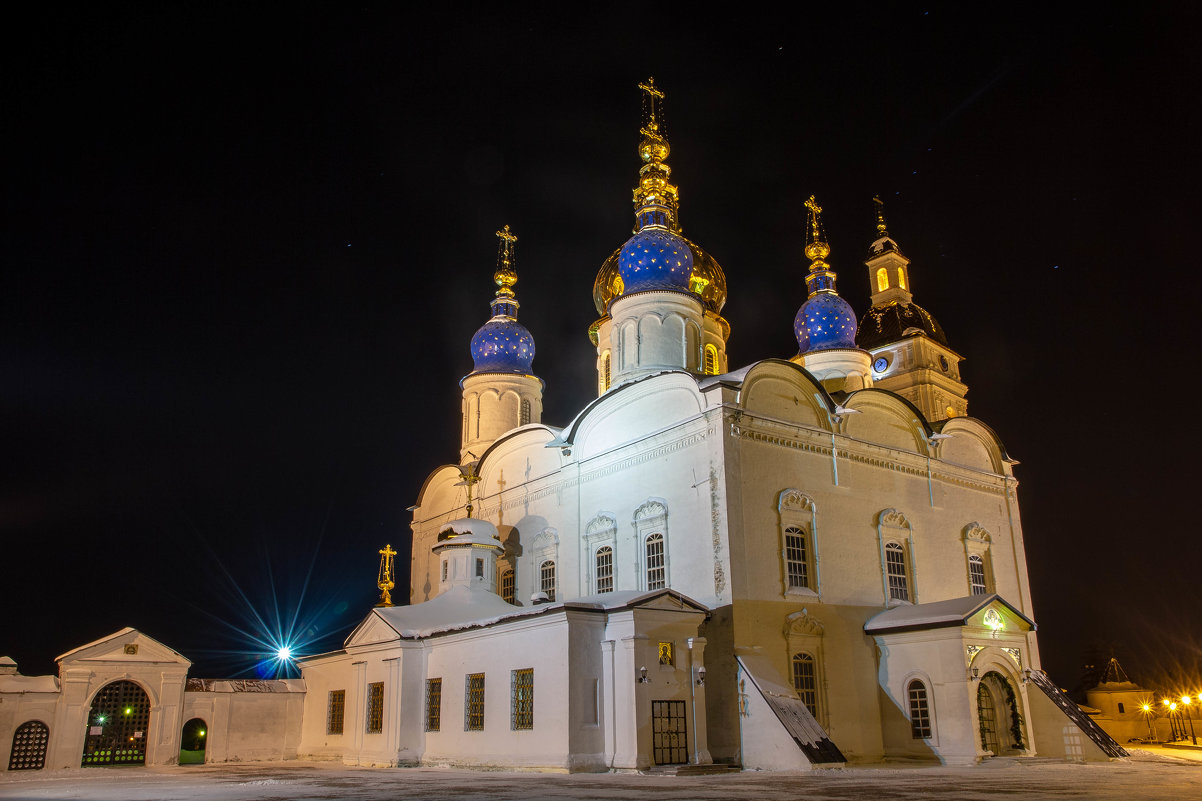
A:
(976, 575)
(920, 711)
(29, 746)
(901, 277)
(656, 574)
(895, 570)
(524, 415)
(508, 585)
(797, 569)
(805, 681)
(711, 360)
(605, 569)
(882, 280)
(605, 371)
(546, 573)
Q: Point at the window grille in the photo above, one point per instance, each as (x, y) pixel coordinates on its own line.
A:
(656, 574)
(433, 704)
(335, 711)
(797, 570)
(605, 569)
(375, 707)
(547, 579)
(805, 681)
(507, 585)
(30, 741)
(473, 702)
(525, 413)
(521, 703)
(895, 568)
(605, 372)
(920, 714)
(711, 360)
(976, 575)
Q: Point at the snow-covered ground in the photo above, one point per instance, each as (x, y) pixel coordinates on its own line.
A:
(1154, 773)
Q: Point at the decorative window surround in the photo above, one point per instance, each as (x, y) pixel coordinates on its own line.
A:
(804, 634)
(649, 519)
(977, 542)
(600, 532)
(894, 528)
(797, 510)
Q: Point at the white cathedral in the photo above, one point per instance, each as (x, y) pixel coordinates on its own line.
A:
(800, 562)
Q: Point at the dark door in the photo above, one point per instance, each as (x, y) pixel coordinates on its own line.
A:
(987, 713)
(118, 726)
(669, 741)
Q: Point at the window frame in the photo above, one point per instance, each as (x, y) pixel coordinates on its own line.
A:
(894, 532)
(603, 559)
(507, 584)
(336, 713)
(808, 695)
(473, 702)
(546, 578)
(978, 542)
(650, 519)
(918, 703)
(373, 716)
(433, 704)
(521, 699)
(797, 511)
(655, 561)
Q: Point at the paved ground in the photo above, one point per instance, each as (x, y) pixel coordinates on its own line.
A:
(1153, 773)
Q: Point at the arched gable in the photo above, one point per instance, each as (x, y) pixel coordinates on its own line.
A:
(785, 391)
(972, 444)
(439, 491)
(633, 409)
(517, 457)
(884, 418)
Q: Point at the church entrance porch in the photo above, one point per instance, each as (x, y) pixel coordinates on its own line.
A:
(669, 741)
(118, 726)
(998, 716)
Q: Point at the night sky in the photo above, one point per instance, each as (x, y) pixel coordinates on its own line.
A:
(244, 253)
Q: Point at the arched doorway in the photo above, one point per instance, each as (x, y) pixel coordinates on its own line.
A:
(118, 726)
(29, 746)
(998, 716)
(192, 742)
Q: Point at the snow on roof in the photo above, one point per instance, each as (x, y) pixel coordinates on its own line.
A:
(7, 661)
(953, 612)
(106, 638)
(28, 684)
(461, 608)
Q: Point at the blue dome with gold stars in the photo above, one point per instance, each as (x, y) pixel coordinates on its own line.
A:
(825, 322)
(502, 345)
(655, 258)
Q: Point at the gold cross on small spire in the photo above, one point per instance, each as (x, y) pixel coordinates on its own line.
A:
(815, 211)
(654, 94)
(880, 215)
(385, 582)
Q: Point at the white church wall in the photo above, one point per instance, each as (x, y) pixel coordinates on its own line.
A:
(324, 675)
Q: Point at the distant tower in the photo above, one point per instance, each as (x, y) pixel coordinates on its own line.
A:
(500, 393)
(825, 324)
(910, 355)
(659, 295)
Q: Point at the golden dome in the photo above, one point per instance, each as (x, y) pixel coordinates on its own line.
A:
(707, 281)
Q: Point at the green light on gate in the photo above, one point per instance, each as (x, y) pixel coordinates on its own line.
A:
(100, 718)
(129, 710)
(202, 732)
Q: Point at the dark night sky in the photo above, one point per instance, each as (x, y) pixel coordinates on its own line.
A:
(244, 253)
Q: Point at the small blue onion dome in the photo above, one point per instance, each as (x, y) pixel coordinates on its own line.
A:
(655, 258)
(825, 322)
(502, 345)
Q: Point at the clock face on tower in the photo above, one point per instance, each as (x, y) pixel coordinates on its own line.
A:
(880, 364)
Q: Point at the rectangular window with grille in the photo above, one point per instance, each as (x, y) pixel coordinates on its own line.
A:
(605, 569)
(656, 571)
(473, 702)
(796, 567)
(895, 569)
(521, 702)
(433, 704)
(976, 575)
(508, 587)
(805, 681)
(335, 711)
(375, 707)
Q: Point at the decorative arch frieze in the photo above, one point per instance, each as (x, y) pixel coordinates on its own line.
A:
(802, 624)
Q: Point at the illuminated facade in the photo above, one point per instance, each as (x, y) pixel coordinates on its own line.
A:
(804, 561)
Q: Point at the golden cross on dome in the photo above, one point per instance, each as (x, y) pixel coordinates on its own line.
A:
(505, 277)
(815, 210)
(653, 94)
(880, 216)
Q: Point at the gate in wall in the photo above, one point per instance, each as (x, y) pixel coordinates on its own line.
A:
(118, 726)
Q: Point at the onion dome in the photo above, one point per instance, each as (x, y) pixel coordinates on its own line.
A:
(884, 324)
(825, 321)
(658, 257)
(503, 345)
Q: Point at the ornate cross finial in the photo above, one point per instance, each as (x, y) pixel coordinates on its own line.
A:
(880, 216)
(652, 95)
(815, 212)
(467, 473)
(505, 276)
(820, 277)
(385, 580)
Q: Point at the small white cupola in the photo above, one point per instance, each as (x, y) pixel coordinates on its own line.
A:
(467, 551)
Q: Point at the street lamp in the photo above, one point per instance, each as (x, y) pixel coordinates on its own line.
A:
(1169, 708)
(1185, 700)
(1147, 710)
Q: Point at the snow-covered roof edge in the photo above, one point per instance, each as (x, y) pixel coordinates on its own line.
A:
(939, 614)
